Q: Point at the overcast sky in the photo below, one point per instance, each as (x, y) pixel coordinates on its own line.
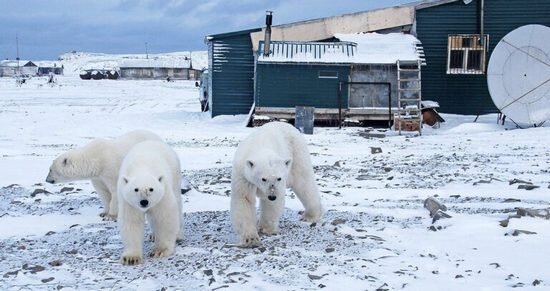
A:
(48, 28)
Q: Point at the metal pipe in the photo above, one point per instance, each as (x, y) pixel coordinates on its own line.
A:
(340, 104)
(267, 37)
(481, 20)
(389, 104)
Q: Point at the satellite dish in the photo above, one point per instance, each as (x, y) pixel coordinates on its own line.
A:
(518, 75)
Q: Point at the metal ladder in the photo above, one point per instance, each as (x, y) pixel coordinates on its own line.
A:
(409, 95)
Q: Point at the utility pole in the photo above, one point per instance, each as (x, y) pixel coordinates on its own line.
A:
(146, 52)
(17, 48)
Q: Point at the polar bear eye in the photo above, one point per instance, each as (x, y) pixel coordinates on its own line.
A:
(264, 179)
(151, 189)
(279, 179)
(136, 189)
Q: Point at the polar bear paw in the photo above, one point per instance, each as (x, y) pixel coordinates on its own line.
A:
(160, 252)
(269, 229)
(252, 240)
(108, 217)
(131, 260)
(311, 217)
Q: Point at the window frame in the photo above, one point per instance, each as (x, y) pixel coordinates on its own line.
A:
(467, 43)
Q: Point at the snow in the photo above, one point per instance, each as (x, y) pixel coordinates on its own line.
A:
(377, 48)
(375, 232)
(360, 48)
(156, 63)
(75, 62)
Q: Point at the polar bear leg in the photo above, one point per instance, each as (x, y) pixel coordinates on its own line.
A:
(132, 223)
(113, 206)
(243, 212)
(104, 196)
(270, 215)
(302, 182)
(166, 226)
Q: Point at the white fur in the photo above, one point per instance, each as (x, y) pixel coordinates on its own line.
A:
(98, 161)
(278, 153)
(153, 169)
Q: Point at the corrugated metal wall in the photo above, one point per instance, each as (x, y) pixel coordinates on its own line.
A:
(231, 77)
(468, 94)
(290, 85)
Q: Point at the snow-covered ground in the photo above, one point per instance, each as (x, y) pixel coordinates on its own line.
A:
(74, 62)
(375, 233)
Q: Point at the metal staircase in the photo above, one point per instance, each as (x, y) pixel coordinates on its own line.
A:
(409, 115)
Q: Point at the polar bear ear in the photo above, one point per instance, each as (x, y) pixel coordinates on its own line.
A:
(125, 180)
(249, 163)
(160, 178)
(288, 162)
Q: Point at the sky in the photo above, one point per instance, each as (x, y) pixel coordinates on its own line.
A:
(46, 29)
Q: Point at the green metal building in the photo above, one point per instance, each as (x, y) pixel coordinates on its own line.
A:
(455, 75)
(231, 72)
(450, 31)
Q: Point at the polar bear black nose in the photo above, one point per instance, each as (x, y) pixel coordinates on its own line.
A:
(144, 203)
(272, 198)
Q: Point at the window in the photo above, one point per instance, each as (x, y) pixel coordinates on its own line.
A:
(328, 74)
(467, 54)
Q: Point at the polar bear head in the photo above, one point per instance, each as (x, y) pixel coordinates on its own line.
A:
(77, 164)
(70, 166)
(268, 173)
(142, 190)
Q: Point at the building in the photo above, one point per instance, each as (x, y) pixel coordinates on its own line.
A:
(175, 69)
(231, 72)
(11, 68)
(45, 68)
(309, 74)
(457, 60)
(458, 37)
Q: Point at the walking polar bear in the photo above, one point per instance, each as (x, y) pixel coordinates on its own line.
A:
(271, 159)
(149, 186)
(98, 161)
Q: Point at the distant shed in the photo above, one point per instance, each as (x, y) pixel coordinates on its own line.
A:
(177, 69)
(10, 68)
(309, 73)
(45, 68)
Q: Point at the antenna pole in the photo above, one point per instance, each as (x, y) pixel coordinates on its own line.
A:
(17, 48)
(146, 52)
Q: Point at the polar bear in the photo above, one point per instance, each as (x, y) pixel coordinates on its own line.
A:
(271, 159)
(99, 161)
(149, 187)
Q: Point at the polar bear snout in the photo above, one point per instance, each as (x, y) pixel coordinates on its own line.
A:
(144, 203)
(49, 178)
(272, 197)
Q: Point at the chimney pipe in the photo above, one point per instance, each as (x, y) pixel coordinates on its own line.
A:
(267, 39)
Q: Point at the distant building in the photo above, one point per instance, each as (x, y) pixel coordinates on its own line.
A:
(10, 68)
(175, 69)
(45, 68)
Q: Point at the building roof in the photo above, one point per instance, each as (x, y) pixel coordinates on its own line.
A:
(156, 63)
(47, 64)
(233, 33)
(364, 21)
(362, 48)
(14, 63)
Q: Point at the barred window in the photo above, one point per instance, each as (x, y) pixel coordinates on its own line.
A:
(467, 54)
